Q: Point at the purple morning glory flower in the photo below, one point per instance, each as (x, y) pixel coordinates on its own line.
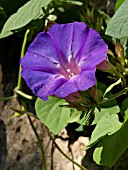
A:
(63, 60)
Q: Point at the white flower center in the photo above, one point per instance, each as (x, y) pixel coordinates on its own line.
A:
(70, 74)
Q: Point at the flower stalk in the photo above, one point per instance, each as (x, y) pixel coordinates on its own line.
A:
(21, 56)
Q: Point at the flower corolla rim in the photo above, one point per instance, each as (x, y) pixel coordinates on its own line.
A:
(63, 60)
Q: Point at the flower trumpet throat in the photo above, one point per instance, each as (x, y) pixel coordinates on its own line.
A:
(63, 60)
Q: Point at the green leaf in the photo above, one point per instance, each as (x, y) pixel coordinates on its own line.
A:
(103, 111)
(51, 114)
(111, 147)
(118, 25)
(109, 107)
(126, 116)
(79, 128)
(85, 118)
(75, 116)
(119, 3)
(108, 124)
(124, 105)
(124, 109)
(23, 16)
(101, 89)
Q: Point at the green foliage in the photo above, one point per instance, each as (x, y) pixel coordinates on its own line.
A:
(23, 16)
(124, 109)
(51, 114)
(108, 110)
(124, 105)
(75, 116)
(112, 146)
(110, 135)
(108, 124)
(85, 117)
(119, 3)
(118, 25)
(105, 93)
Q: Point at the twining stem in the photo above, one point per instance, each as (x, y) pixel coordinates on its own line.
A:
(8, 98)
(19, 84)
(80, 166)
(39, 142)
(24, 95)
(22, 54)
(19, 76)
(37, 136)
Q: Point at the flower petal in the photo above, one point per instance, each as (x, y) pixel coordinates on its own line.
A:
(82, 81)
(41, 83)
(44, 46)
(93, 51)
(69, 37)
(34, 61)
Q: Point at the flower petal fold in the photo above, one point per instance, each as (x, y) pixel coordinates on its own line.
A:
(44, 46)
(69, 38)
(80, 82)
(34, 61)
(41, 83)
(93, 51)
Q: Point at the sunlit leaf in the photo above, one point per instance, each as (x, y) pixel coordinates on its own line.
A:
(108, 124)
(51, 114)
(23, 16)
(75, 116)
(119, 3)
(99, 114)
(118, 25)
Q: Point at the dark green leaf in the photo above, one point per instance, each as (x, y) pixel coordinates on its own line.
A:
(126, 115)
(124, 105)
(111, 147)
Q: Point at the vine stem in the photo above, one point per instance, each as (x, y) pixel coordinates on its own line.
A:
(39, 142)
(19, 92)
(8, 98)
(22, 54)
(24, 94)
(37, 136)
(74, 162)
